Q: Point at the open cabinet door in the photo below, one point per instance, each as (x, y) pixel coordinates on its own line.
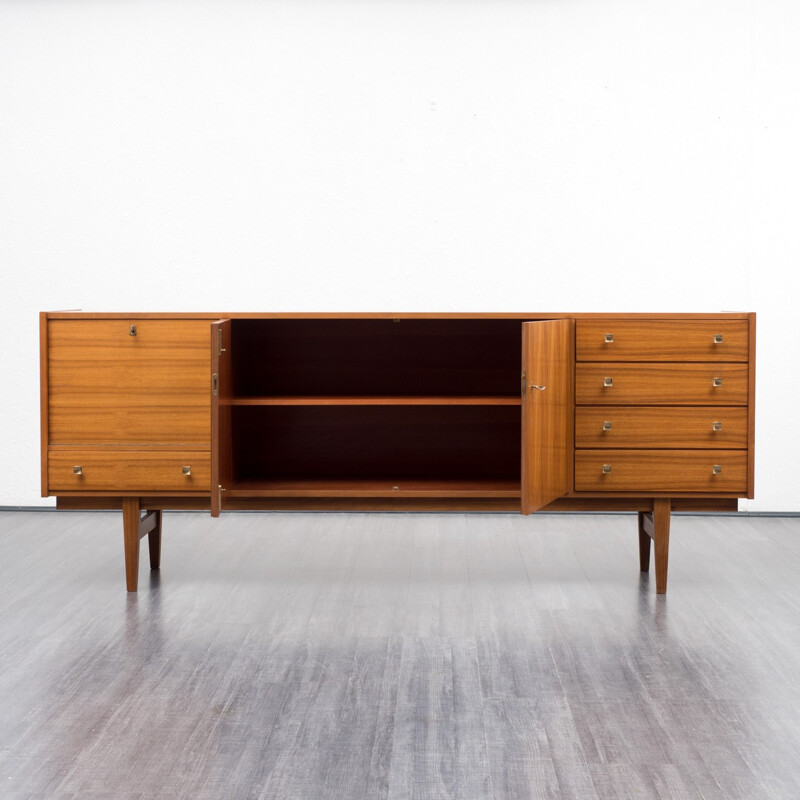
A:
(221, 469)
(547, 406)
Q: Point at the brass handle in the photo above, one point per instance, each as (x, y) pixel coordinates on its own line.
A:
(717, 381)
(77, 470)
(716, 469)
(609, 338)
(186, 471)
(536, 386)
(716, 426)
(606, 469)
(132, 330)
(606, 426)
(608, 381)
(717, 338)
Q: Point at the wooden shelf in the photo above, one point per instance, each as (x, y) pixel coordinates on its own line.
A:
(379, 400)
(374, 488)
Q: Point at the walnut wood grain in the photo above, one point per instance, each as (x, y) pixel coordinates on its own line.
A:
(44, 401)
(661, 470)
(661, 523)
(362, 400)
(668, 427)
(661, 384)
(596, 502)
(375, 488)
(751, 409)
(661, 340)
(129, 471)
(130, 535)
(108, 387)
(221, 432)
(547, 359)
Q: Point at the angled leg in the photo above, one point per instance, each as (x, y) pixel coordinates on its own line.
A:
(154, 541)
(661, 514)
(130, 527)
(644, 544)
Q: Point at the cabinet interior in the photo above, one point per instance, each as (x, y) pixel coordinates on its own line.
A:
(376, 405)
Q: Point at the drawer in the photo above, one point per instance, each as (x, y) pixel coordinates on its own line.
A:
(129, 471)
(107, 386)
(661, 471)
(634, 427)
(661, 384)
(661, 340)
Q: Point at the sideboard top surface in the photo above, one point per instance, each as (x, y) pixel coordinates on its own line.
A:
(383, 315)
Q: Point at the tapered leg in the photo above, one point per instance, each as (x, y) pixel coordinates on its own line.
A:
(661, 513)
(154, 541)
(130, 527)
(644, 544)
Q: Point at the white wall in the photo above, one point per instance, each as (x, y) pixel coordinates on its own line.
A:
(548, 155)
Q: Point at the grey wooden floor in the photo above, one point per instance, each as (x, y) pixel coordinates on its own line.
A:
(399, 656)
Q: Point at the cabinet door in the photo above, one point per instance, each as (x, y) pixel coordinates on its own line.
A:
(221, 391)
(547, 404)
(128, 382)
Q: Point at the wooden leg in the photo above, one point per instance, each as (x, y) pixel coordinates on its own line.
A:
(154, 541)
(644, 545)
(130, 527)
(661, 512)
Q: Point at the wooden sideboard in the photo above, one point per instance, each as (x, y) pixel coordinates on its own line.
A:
(441, 412)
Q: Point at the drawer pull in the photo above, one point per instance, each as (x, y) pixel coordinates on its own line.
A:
(538, 387)
(717, 338)
(716, 469)
(132, 330)
(606, 426)
(608, 381)
(77, 470)
(187, 471)
(606, 469)
(716, 426)
(609, 338)
(717, 381)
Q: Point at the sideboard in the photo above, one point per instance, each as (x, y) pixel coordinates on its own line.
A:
(647, 413)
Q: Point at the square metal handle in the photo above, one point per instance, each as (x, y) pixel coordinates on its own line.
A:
(77, 470)
(606, 469)
(717, 338)
(717, 381)
(608, 381)
(606, 426)
(186, 471)
(716, 426)
(716, 469)
(609, 338)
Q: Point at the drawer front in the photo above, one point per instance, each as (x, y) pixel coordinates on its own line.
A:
(633, 427)
(661, 471)
(107, 386)
(661, 384)
(661, 340)
(129, 471)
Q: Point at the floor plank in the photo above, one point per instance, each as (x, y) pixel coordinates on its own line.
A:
(388, 656)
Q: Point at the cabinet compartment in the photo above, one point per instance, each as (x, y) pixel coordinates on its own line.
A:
(661, 384)
(661, 340)
(129, 382)
(645, 427)
(353, 447)
(661, 471)
(375, 357)
(127, 471)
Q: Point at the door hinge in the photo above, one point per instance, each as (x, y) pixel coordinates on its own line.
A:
(220, 348)
(220, 490)
(215, 385)
(523, 384)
